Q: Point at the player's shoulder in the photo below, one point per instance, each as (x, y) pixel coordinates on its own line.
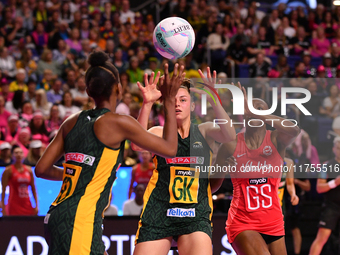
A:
(157, 130)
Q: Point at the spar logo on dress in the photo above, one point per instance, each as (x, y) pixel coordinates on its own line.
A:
(267, 150)
(185, 160)
(79, 157)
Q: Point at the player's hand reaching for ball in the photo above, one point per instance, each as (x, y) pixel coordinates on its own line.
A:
(169, 86)
(150, 91)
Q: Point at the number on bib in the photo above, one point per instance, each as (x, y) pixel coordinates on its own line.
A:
(70, 179)
(183, 187)
(257, 197)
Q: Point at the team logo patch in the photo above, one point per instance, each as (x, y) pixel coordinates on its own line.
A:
(197, 145)
(181, 213)
(267, 150)
(258, 181)
(185, 160)
(185, 173)
(70, 171)
(79, 157)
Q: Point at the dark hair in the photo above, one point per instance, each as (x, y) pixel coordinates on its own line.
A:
(101, 76)
(38, 130)
(18, 99)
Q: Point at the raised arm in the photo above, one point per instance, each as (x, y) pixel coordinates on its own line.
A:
(222, 133)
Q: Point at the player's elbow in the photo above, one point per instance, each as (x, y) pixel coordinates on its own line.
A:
(39, 171)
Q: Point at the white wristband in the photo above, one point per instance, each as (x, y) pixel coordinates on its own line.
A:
(332, 184)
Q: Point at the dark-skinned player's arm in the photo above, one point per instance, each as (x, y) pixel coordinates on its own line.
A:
(224, 158)
(222, 133)
(45, 167)
(150, 95)
(290, 182)
(138, 135)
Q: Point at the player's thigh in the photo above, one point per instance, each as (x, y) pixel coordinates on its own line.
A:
(278, 247)
(196, 243)
(156, 247)
(250, 243)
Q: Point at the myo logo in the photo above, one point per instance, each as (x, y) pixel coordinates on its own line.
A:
(238, 102)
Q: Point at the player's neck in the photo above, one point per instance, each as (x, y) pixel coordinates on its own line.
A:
(18, 166)
(106, 104)
(183, 128)
(254, 137)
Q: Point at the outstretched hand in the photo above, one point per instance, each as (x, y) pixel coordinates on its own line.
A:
(150, 91)
(209, 87)
(246, 108)
(169, 86)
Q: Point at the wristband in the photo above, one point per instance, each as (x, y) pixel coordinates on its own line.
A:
(332, 184)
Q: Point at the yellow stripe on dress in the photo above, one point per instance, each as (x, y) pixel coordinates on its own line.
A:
(83, 224)
(151, 185)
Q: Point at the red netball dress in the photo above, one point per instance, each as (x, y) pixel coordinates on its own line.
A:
(255, 205)
(19, 202)
(143, 177)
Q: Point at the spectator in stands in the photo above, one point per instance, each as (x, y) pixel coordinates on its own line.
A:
(7, 64)
(126, 15)
(18, 177)
(60, 31)
(218, 43)
(328, 64)
(27, 62)
(300, 42)
(320, 44)
(118, 61)
(38, 128)
(321, 81)
(41, 104)
(274, 19)
(65, 13)
(280, 42)
(110, 49)
(47, 79)
(237, 51)
(335, 58)
(70, 79)
(125, 81)
(127, 37)
(73, 42)
(84, 29)
(26, 113)
(67, 108)
(134, 72)
(96, 40)
(287, 29)
(4, 114)
(79, 94)
(40, 14)
(26, 13)
(5, 154)
(86, 49)
(133, 207)
(14, 35)
(240, 34)
(299, 76)
(331, 103)
(260, 68)
(328, 184)
(328, 25)
(34, 153)
(59, 54)
(13, 128)
(15, 105)
(29, 95)
(54, 121)
(141, 172)
(5, 89)
(19, 82)
(54, 95)
(264, 42)
(123, 106)
(282, 67)
(76, 20)
(306, 59)
(23, 140)
(47, 62)
(40, 37)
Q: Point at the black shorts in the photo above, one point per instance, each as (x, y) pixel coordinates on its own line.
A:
(330, 215)
(269, 239)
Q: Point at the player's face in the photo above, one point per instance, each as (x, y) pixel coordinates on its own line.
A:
(258, 105)
(18, 154)
(144, 156)
(182, 104)
(336, 149)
